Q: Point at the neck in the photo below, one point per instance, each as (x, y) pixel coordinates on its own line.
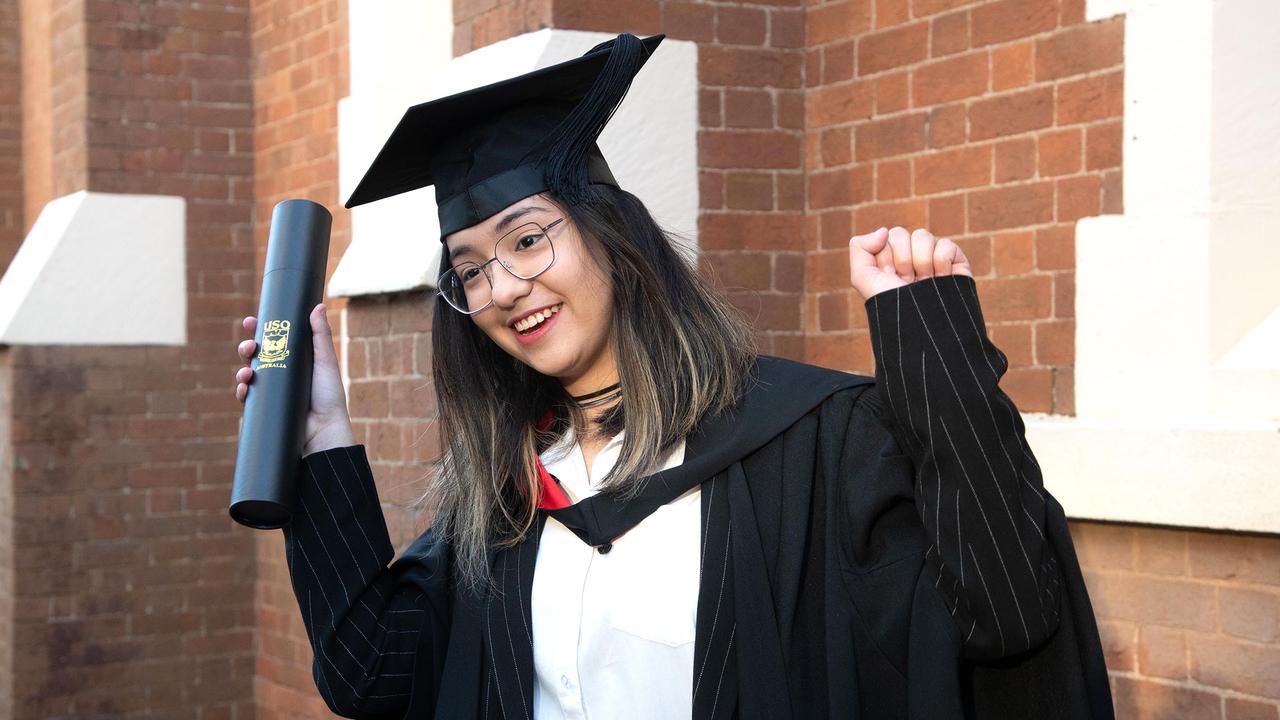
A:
(592, 409)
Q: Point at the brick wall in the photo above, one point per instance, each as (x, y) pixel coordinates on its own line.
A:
(1190, 620)
(11, 228)
(11, 232)
(7, 558)
(995, 123)
(133, 591)
(300, 72)
(483, 22)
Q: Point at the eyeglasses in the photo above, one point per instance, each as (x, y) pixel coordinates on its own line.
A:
(526, 252)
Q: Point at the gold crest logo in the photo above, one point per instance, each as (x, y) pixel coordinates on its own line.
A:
(275, 343)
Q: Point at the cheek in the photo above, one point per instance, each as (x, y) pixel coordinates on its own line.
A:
(491, 327)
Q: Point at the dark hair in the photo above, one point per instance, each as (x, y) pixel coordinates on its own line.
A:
(681, 350)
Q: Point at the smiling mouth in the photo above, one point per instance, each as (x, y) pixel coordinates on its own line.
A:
(531, 323)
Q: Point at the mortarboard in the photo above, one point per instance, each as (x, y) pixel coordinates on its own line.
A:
(488, 147)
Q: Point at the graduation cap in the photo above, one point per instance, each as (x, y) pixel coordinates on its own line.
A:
(488, 147)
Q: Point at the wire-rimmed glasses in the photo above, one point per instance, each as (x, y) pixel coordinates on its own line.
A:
(526, 252)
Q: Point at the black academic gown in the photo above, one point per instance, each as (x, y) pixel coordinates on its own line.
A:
(871, 548)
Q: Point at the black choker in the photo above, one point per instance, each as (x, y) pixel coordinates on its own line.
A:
(599, 397)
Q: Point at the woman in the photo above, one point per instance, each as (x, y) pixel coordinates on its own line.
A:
(638, 517)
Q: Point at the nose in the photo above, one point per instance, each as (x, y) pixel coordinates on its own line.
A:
(507, 288)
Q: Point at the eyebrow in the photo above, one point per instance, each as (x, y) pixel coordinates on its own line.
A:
(516, 215)
(502, 225)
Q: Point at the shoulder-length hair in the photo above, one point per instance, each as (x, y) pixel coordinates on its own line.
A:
(681, 350)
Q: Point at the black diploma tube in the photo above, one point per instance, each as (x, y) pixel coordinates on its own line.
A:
(264, 491)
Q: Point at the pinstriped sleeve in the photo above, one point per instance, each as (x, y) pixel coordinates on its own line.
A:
(978, 487)
(371, 625)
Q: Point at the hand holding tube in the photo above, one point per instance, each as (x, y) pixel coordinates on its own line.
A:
(328, 422)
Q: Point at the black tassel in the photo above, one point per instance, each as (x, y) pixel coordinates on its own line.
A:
(567, 146)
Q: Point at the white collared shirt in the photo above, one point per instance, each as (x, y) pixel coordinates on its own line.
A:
(613, 633)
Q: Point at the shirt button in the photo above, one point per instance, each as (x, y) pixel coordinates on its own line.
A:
(564, 679)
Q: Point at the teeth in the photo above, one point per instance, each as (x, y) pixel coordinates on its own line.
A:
(535, 319)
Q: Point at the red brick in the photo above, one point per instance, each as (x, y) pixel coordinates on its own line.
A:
(893, 92)
(1102, 546)
(838, 104)
(947, 215)
(1026, 297)
(1241, 709)
(786, 28)
(1056, 247)
(893, 136)
(832, 188)
(1031, 389)
(767, 149)
(837, 21)
(1080, 50)
(862, 183)
(1008, 207)
(1011, 114)
(1246, 558)
(751, 67)
(1014, 340)
(1006, 20)
(947, 126)
(850, 352)
(1013, 254)
(947, 80)
(1064, 391)
(1060, 152)
(963, 167)
(1119, 644)
(891, 12)
(1056, 342)
(740, 25)
(689, 21)
(837, 146)
(750, 270)
(788, 272)
(1097, 97)
(836, 227)
(1011, 66)
(1015, 160)
(787, 345)
(748, 108)
(1112, 193)
(1073, 12)
(833, 311)
(1064, 294)
(749, 191)
(1104, 146)
(1136, 698)
(893, 179)
(921, 8)
(750, 231)
(910, 213)
(642, 17)
(789, 109)
(1155, 600)
(790, 191)
(1246, 667)
(893, 48)
(1250, 614)
(827, 271)
(949, 34)
(771, 312)
(837, 62)
(709, 113)
(1079, 197)
(1162, 551)
(710, 190)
